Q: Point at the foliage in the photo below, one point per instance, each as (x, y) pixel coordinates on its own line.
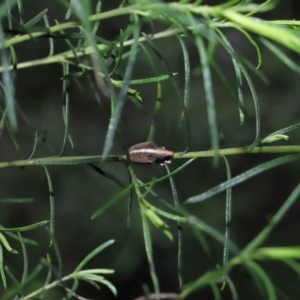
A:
(107, 68)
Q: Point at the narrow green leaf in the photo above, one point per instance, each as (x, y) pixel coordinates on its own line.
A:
(277, 253)
(121, 99)
(174, 83)
(25, 259)
(224, 77)
(164, 202)
(110, 286)
(16, 237)
(57, 252)
(240, 90)
(243, 177)
(157, 108)
(110, 202)
(83, 11)
(228, 212)
(227, 46)
(14, 291)
(36, 19)
(104, 282)
(228, 4)
(146, 291)
(252, 41)
(233, 289)
(274, 221)
(92, 283)
(11, 276)
(167, 215)
(26, 228)
(35, 143)
(281, 55)
(12, 135)
(14, 63)
(157, 221)
(65, 109)
(120, 56)
(179, 253)
(79, 74)
(187, 76)
(5, 243)
(7, 83)
(293, 264)
(49, 274)
(16, 200)
(284, 36)
(216, 291)
(274, 138)
(2, 273)
(144, 80)
(39, 31)
(73, 289)
(136, 100)
(107, 175)
(265, 279)
(51, 198)
(208, 278)
(94, 271)
(5, 7)
(169, 175)
(130, 198)
(148, 247)
(51, 43)
(200, 225)
(70, 9)
(93, 253)
(97, 11)
(247, 63)
(280, 134)
(2, 122)
(209, 96)
(21, 11)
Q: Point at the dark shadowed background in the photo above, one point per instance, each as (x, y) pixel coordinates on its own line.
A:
(79, 191)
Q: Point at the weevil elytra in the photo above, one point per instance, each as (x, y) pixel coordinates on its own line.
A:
(148, 153)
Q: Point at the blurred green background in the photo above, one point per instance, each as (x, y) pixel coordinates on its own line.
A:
(79, 191)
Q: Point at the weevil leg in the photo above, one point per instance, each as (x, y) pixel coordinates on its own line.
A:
(165, 162)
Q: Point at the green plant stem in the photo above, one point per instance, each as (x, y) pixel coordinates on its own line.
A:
(55, 160)
(66, 56)
(63, 26)
(80, 160)
(139, 9)
(242, 150)
(134, 9)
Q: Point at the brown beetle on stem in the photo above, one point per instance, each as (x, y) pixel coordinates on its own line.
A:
(148, 153)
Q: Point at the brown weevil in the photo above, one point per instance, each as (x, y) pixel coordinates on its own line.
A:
(148, 153)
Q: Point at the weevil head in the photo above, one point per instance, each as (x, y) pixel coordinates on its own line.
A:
(167, 159)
